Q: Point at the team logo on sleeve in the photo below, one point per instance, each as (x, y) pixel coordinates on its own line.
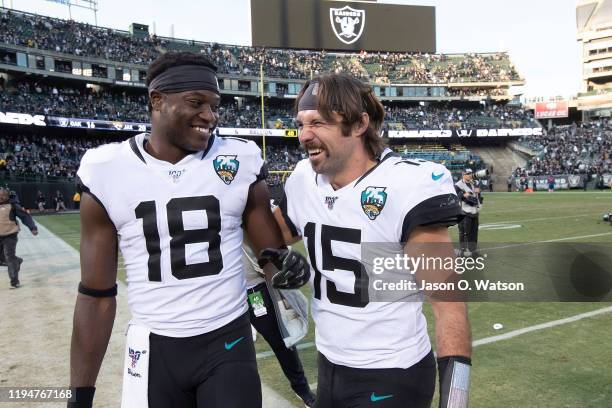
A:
(373, 201)
(226, 167)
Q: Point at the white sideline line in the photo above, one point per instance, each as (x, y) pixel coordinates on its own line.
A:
(545, 241)
(542, 326)
(542, 219)
(494, 339)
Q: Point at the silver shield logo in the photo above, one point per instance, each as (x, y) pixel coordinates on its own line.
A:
(347, 23)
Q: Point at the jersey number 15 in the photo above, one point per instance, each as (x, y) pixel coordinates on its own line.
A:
(331, 262)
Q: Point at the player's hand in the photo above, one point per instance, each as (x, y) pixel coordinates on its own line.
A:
(293, 269)
(35, 232)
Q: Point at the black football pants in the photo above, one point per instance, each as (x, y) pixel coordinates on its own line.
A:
(8, 243)
(346, 387)
(212, 370)
(468, 232)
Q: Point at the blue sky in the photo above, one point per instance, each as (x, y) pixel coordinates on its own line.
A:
(540, 35)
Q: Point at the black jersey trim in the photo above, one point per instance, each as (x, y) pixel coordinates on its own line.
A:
(263, 173)
(290, 224)
(211, 141)
(444, 209)
(406, 161)
(135, 149)
(367, 173)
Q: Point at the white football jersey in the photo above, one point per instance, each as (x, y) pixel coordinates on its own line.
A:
(383, 205)
(179, 229)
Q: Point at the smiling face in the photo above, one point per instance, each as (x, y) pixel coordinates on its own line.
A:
(329, 151)
(185, 120)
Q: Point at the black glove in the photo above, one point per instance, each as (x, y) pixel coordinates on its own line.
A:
(454, 375)
(82, 397)
(293, 269)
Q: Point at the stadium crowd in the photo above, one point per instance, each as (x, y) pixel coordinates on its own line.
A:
(575, 149)
(39, 158)
(447, 116)
(70, 37)
(98, 103)
(35, 98)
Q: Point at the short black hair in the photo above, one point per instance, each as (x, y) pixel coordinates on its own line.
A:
(175, 59)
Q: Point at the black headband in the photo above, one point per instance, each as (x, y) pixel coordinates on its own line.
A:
(186, 78)
(309, 99)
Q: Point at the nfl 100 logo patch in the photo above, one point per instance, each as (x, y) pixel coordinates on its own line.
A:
(134, 356)
(226, 167)
(330, 201)
(373, 200)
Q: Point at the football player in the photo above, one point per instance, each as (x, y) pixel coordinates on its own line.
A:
(351, 191)
(175, 202)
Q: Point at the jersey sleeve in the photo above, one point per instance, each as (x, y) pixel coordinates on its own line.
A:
(437, 202)
(257, 167)
(88, 175)
(291, 194)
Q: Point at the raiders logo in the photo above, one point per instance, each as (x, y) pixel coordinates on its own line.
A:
(348, 23)
(373, 201)
(226, 167)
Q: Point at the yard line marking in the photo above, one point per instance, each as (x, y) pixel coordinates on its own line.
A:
(542, 326)
(500, 337)
(545, 241)
(544, 219)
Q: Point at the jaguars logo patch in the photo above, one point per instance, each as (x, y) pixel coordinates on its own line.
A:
(373, 201)
(226, 167)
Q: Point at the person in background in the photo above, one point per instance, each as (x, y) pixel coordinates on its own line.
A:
(59, 201)
(9, 229)
(76, 200)
(41, 201)
(471, 204)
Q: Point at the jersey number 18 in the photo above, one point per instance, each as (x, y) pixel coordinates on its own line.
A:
(180, 237)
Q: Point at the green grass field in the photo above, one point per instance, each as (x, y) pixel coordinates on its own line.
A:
(567, 365)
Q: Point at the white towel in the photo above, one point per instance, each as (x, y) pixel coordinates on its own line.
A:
(136, 368)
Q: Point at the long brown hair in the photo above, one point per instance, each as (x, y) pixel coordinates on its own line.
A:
(349, 97)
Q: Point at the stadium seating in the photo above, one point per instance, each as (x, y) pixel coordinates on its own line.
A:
(48, 98)
(455, 158)
(80, 39)
(574, 149)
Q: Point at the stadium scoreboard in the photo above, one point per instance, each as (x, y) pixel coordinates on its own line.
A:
(343, 26)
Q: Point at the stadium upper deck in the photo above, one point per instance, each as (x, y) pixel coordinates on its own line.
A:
(86, 41)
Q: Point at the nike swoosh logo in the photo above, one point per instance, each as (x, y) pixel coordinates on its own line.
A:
(375, 398)
(436, 177)
(229, 346)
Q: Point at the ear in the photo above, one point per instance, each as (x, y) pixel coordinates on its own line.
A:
(360, 127)
(156, 98)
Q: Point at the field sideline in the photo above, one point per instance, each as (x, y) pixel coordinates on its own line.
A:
(564, 365)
